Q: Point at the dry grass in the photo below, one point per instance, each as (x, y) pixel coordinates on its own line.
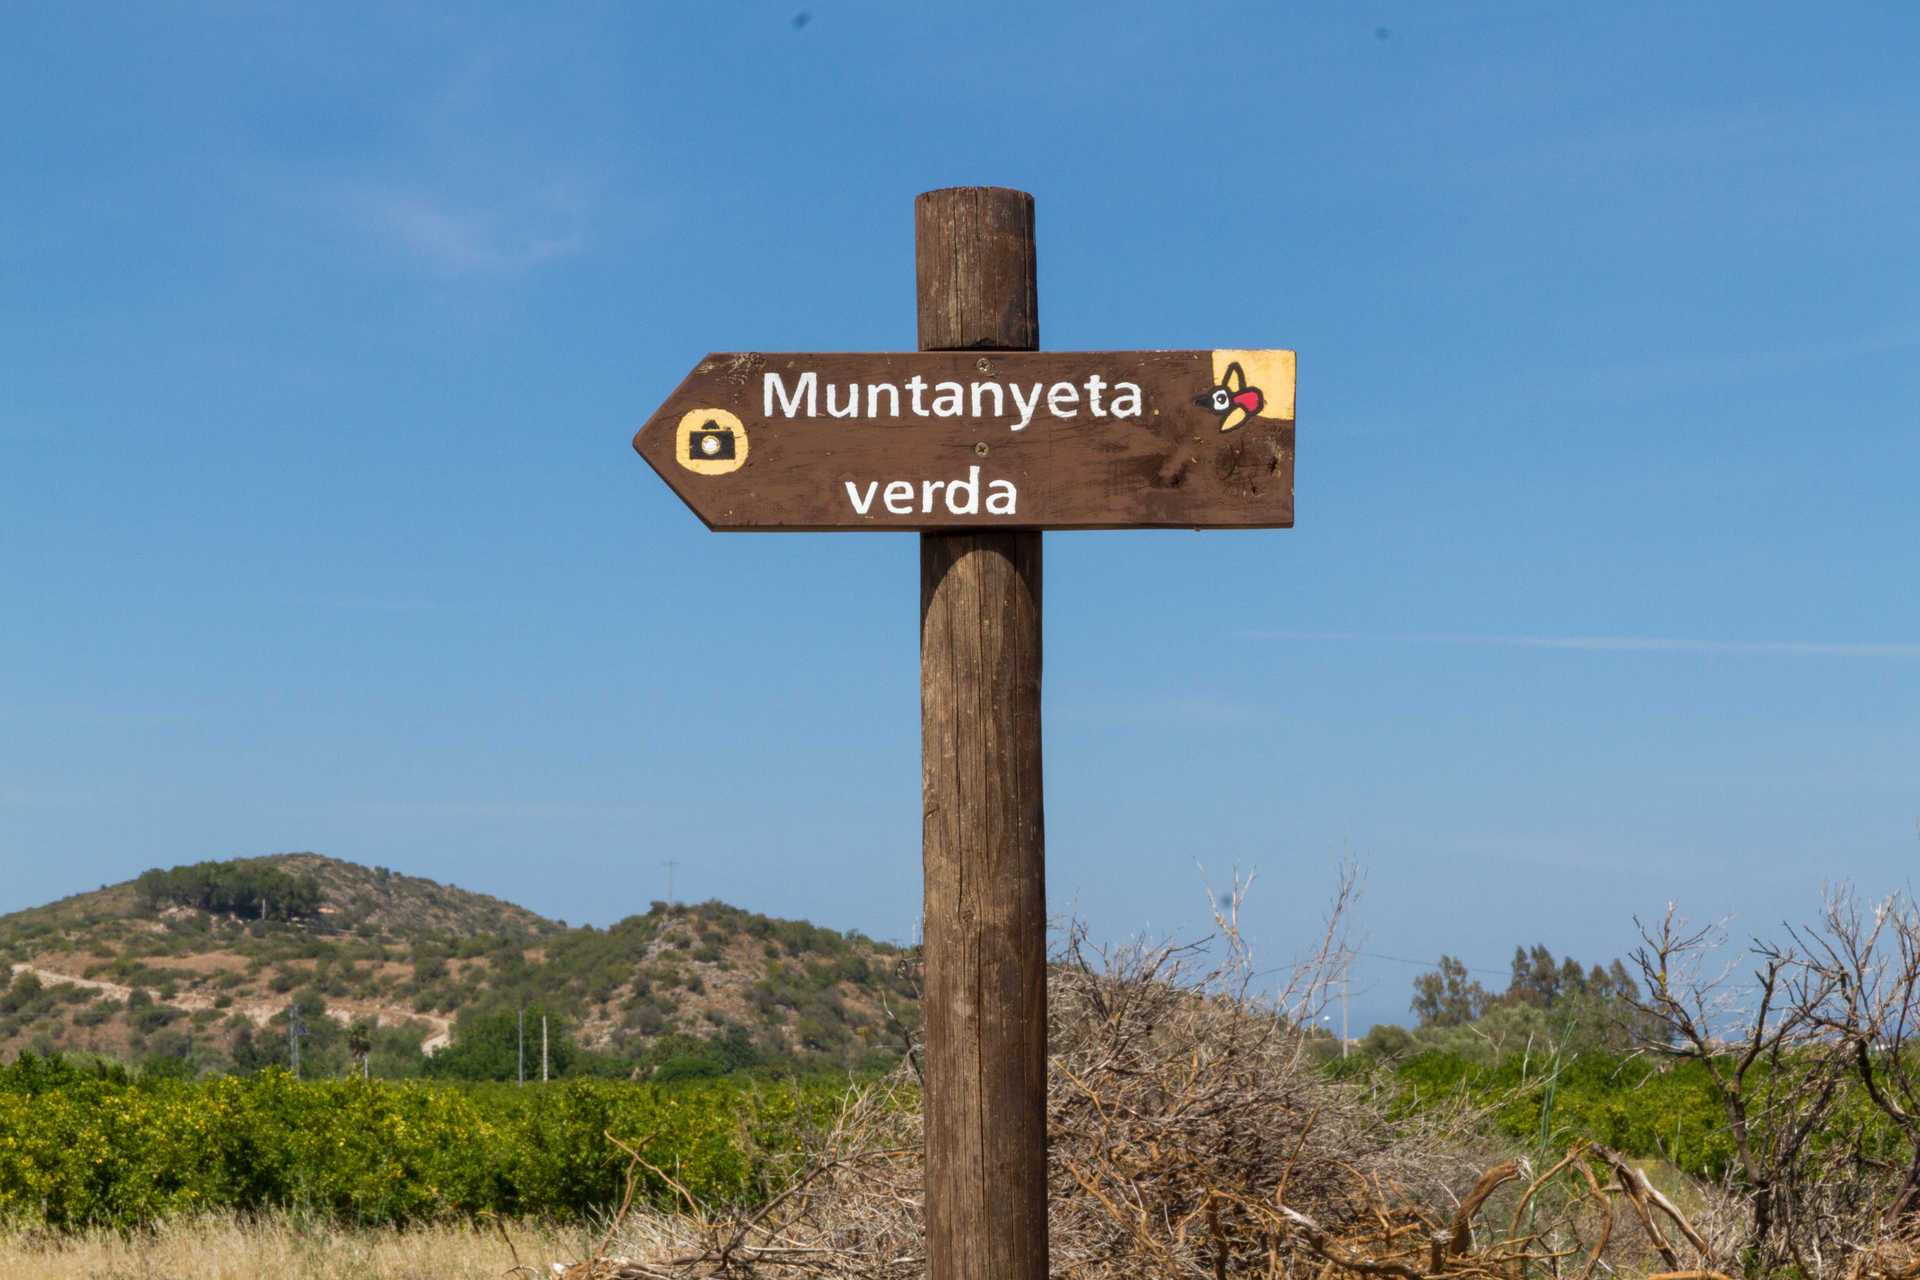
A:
(1192, 1138)
(286, 1247)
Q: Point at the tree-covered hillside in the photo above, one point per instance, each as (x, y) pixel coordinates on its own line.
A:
(231, 966)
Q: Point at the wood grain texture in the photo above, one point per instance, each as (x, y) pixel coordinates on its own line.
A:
(1164, 463)
(974, 271)
(983, 811)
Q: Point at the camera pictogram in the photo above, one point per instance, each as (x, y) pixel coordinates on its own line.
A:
(711, 442)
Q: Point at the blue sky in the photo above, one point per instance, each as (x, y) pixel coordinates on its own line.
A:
(324, 332)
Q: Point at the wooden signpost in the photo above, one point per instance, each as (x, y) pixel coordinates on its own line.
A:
(980, 441)
(969, 439)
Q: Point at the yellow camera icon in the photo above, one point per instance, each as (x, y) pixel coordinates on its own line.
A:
(710, 442)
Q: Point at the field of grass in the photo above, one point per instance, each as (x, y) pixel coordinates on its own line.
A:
(287, 1246)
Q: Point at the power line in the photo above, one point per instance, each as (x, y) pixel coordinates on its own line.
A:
(1429, 964)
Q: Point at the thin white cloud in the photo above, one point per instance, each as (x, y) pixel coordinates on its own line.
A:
(499, 810)
(1620, 644)
(1195, 710)
(457, 239)
(1743, 365)
(1569, 854)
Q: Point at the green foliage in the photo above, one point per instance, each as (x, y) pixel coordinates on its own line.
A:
(687, 1066)
(28, 998)
(1646, 1110)
(153, 1017)
(96, 1013)
(491, 1046)
(29, 1075)
(1547, 1001)
(1448, 997)
(231, 888)
(166, 1063)
(1388, 1041)
(680, 1056)
(87, 1148)
(637, 981)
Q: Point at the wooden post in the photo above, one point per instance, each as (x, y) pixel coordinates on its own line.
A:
(985, 1000)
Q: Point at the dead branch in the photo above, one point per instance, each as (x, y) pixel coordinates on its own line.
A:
(1191, 1137)
(1642, 1191)
(1461, 1240)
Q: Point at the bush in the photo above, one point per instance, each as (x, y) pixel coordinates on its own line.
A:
(90, 1149)
(93, 1015)
(1388, 1041)
(690, 1066)
(150, 1019)
(491, 1047)
(230, 887)
(26, 996)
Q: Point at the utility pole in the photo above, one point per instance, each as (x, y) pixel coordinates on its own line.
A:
(543, 1048)
(295, 1029)
(1346, 963)
(520, 1049)
(670, 864)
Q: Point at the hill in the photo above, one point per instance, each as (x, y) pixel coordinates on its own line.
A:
(204, 968)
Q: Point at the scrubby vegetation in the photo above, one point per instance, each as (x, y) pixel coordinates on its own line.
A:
(231, 888)
(1791, 1100)
(1200, 1129)
(1634, 1116)
(89, 1145)
(223, 967)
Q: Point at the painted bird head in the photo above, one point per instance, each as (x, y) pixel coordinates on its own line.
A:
(1233, 399)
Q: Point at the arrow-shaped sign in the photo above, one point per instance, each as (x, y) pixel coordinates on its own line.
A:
(957, 439)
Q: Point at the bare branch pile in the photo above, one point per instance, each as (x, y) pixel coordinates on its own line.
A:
(1192, 1136)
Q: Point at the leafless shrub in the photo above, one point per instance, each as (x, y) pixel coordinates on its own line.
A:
(1777, 1081)
(1183, 1111)
(1189, 1133)
(1825, 1022)
(1860, 985)
(1191, 1136)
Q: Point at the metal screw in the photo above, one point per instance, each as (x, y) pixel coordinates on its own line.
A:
(983, 364)
(980, 449)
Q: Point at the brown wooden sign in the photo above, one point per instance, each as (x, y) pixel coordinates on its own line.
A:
(960, 439)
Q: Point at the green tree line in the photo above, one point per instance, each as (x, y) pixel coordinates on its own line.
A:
(232, 888)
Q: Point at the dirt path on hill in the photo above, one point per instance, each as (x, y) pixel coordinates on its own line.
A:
(258, 1011)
